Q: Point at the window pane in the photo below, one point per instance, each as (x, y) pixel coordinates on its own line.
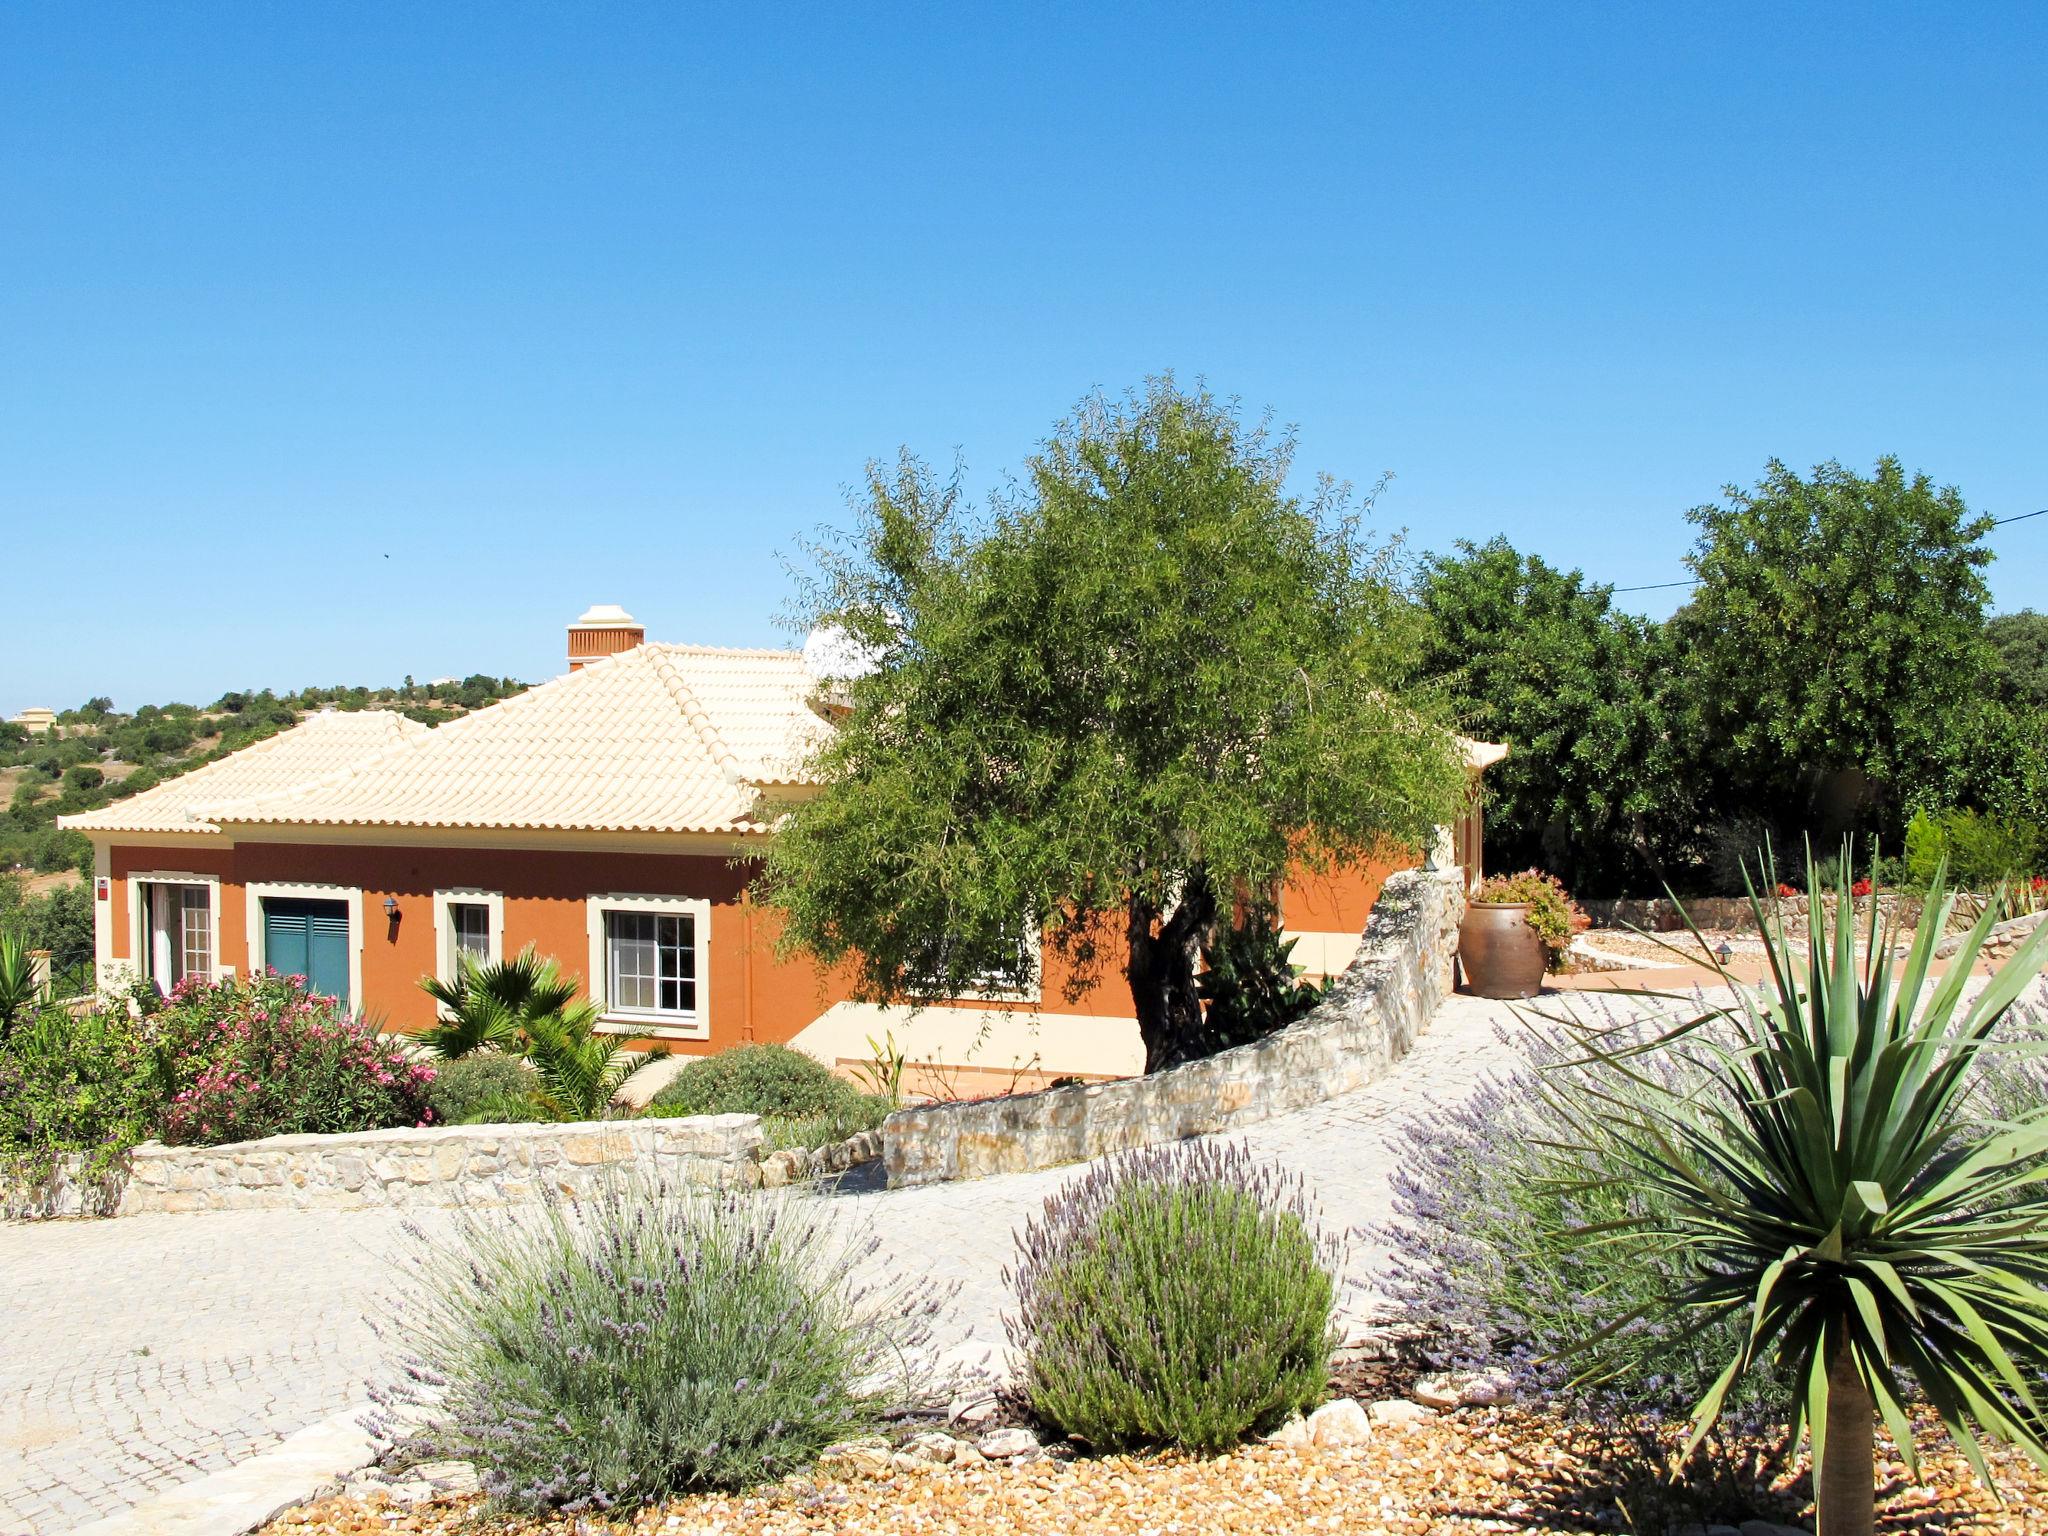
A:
(652, 958)
(633, 961)
(470, 925)
(195, 957)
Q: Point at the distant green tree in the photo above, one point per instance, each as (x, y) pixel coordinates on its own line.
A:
(1150, 679)
(2020, 641)
(1836, 636)
(84, 776)
(1594, 786)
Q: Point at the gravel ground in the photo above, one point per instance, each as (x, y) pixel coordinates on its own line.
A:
(1476, 1470)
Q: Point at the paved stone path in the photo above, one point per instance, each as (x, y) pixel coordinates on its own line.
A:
(142, 1353)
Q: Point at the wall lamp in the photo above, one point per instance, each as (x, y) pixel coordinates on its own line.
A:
(391, 907)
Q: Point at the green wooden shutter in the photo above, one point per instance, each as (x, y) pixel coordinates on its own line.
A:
(309, 939)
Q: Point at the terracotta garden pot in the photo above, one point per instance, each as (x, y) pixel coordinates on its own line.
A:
(1500, 952)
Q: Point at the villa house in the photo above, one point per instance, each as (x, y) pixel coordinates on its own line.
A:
(607, 818)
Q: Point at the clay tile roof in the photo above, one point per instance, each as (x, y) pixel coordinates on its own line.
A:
(661, 738)
(319, 744)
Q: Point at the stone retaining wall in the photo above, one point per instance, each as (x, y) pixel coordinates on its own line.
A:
(468, 1165)
(1403, 970)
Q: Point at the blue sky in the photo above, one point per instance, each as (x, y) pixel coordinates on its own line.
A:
(339, 342)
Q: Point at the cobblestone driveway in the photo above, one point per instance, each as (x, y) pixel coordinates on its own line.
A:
(145, 1352)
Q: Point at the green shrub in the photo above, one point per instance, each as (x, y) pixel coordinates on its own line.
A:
(1982, 851)
(863, 1112)
(1552, 913)
(1177, 1296)
(756, 1080)
(73, 1087)
(1252, 986)
(646, 1343)
(485, 1081)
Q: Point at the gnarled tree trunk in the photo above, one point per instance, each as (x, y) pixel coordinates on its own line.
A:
(1165, 959)
(1845, 1484)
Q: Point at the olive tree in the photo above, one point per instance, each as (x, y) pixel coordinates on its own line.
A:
(1114, 705)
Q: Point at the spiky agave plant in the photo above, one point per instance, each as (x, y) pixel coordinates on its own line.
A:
(1827, 1182)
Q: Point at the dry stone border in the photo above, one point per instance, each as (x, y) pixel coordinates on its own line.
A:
(412, 1168)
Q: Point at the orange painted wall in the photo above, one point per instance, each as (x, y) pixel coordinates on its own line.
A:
(750, 993)
(1340, 901)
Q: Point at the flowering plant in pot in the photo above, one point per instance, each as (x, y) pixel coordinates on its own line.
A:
(1516, 928)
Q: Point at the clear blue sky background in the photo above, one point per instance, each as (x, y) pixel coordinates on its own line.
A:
(563, 303)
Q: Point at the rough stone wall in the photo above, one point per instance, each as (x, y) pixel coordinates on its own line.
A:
(1403, 970)
(473, 1165)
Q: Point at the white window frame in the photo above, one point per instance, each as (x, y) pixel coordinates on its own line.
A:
(298, 890)
(444, 928)
(695, 1025)
(138, 917)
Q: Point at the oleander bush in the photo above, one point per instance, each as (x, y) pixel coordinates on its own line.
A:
(485, 1088)
(1176, 1296)
(649, 1342)
(262, 1056)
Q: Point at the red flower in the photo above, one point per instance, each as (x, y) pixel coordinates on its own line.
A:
(1860, 888)
(1786, 890)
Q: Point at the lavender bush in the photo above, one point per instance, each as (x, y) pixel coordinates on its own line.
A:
(1486, 1270)
(646, 1343)
(1175, 1296)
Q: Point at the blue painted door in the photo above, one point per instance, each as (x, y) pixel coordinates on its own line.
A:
(309, 939)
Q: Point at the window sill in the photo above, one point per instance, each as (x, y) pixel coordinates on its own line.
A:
(653, 1028)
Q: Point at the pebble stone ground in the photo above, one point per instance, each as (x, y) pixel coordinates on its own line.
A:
(145, 1352)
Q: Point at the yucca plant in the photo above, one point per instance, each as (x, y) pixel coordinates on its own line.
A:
(1825, 1177)
(494, 1006)
(18, 989)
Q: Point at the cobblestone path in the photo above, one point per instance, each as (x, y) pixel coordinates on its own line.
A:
(145, 1352)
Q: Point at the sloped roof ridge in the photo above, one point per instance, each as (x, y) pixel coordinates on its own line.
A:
(409, 742)
(699, 718)
(119, 815)
(690, 648)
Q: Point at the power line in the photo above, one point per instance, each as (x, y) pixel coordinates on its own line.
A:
(1662, 586)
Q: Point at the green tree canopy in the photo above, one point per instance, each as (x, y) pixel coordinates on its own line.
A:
(1835, 635)
(1131, 692)
(1538, 658)
(2020, 642)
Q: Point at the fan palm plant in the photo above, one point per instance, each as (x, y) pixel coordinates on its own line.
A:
(1826, 1181)
(580, 1070)
(494, 1006)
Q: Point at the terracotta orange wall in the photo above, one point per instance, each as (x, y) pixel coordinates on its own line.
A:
(752, 995)
(1340, 901)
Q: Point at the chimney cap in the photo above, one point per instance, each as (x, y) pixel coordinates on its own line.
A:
(606, 616)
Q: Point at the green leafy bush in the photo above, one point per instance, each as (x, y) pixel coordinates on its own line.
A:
(484, 1088)
(1552, 913)
(755, 1080)
(1252, 986)
(1982, 851)
(646, 1343)
(1175, 1296)
(73, 1087)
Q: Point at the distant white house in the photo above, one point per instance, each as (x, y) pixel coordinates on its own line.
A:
(36, 721)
